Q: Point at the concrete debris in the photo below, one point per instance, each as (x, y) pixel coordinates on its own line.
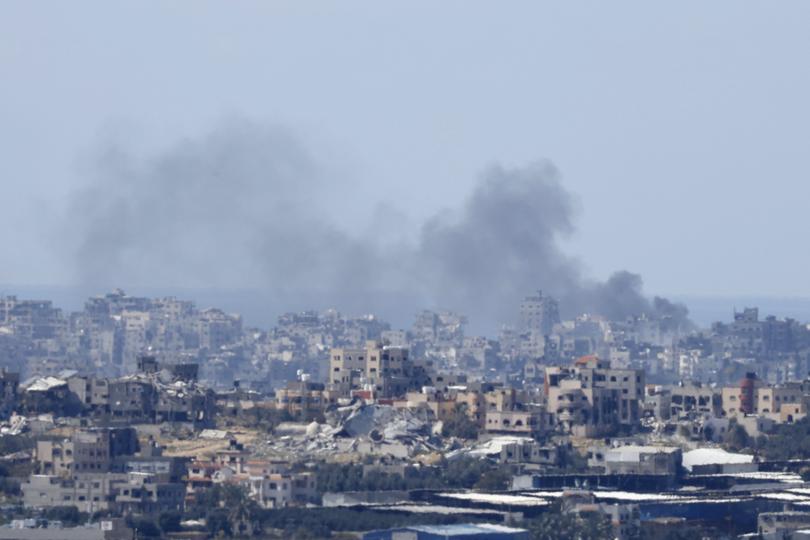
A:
(16, 425)
(23, 456)
(358, 429)
(41, 424)
(43, 384)
(216, 434)
(384, 422)
(489, 448)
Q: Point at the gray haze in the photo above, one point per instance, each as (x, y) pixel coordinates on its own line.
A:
(682, 128)
(246, 206)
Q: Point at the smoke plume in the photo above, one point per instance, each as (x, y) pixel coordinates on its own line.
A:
(246, 207)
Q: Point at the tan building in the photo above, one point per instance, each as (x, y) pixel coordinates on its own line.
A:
(91, 391)
(519, 422)
(87, 451)
(303, 399)
(88, 494)
(693, 397)
(590, 398)
(441, 406)
(387, 371)
(781, 403)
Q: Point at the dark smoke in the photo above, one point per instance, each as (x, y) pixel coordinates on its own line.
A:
(247, 208)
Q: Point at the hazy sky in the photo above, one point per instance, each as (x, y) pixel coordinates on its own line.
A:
(683, 129)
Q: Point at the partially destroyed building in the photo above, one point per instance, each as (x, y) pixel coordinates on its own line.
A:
(590, 398)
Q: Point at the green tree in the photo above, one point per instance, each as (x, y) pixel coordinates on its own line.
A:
(788, 441)
(736, 437)
(170, 521)
(145, 527)
(555, 525)
(217, 522)
(69, 515)
(459, 424)
(494, 480)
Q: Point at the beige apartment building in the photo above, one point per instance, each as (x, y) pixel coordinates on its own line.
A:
(591, 399)
(387, 371)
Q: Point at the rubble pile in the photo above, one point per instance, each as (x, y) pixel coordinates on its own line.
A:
(487, 449)
(16, 425)
(357, 429)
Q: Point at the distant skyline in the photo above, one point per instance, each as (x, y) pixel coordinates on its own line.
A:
(256, 312)
(680, 131)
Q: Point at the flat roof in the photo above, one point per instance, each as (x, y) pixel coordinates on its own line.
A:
(465, 529)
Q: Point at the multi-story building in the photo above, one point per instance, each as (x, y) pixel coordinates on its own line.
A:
(88, 494)
(529, 452)
(384, 370)
(437, 402)
(519, 421)
(9, 392)
(91, 450)
(133, 492)
(278, 490)
(781, 403)
(694, 397)
(146, 493)
(590, 398)
(303, 399)
(132, 399)
(539, 314)
(91, 391)
(217, 328)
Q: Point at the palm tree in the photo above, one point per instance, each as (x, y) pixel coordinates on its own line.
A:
(243, 513)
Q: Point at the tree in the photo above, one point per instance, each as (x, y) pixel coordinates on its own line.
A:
(555, 525)
(170, 521)
(217, 523)
(69, 515)
(145, 528)
(788, 441)
(736, 437)
(493, 480)
(459, 424)
(243, 518)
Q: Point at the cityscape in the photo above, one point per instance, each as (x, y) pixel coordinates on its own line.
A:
(404, 270)
(153, 416)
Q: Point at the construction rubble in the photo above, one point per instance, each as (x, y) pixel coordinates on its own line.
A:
(355, 430)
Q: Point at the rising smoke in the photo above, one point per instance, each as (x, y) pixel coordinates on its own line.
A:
(246, 207)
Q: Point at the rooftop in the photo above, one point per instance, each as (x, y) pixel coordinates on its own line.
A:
(465, 529)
